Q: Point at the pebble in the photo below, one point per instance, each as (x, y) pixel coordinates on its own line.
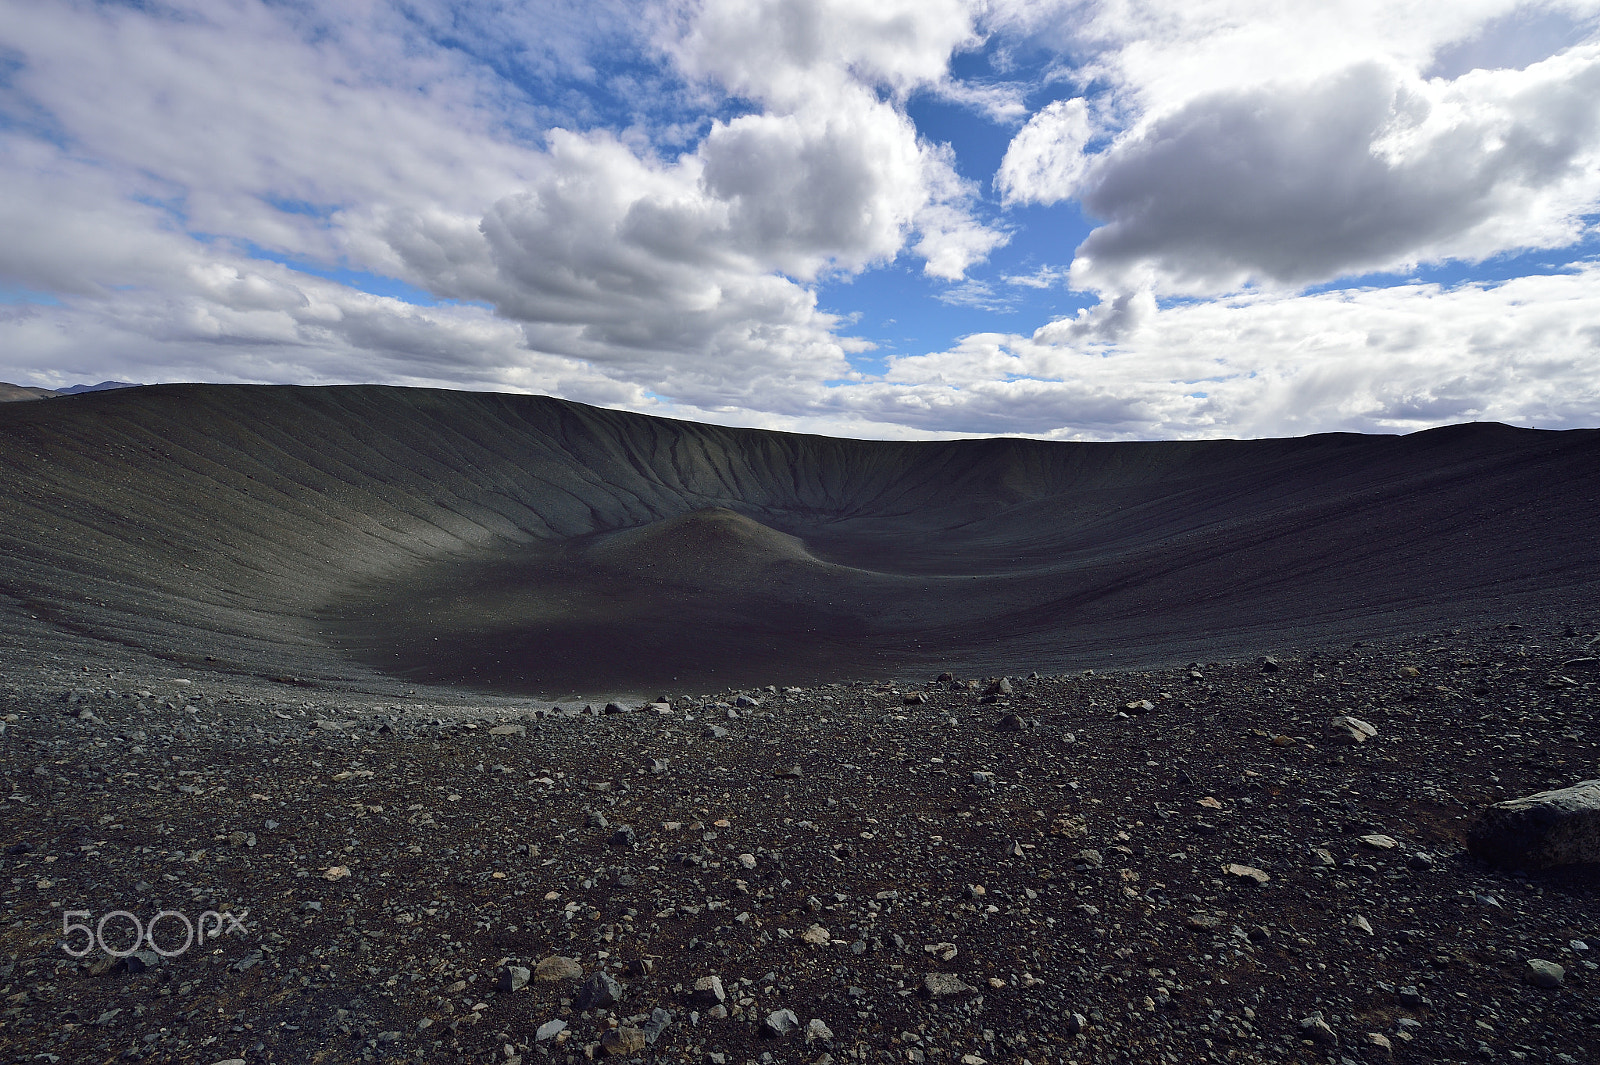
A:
(597, 992)
(660, 1020)
(945, 985)
(1317, 1029)
(779, 1023)
(1546, 974)
(1352, 729)
(1246, 872)
(622, 1041)
(512, 978)
(556, 968)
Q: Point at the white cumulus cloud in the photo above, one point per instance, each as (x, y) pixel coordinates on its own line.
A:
(1371, 169)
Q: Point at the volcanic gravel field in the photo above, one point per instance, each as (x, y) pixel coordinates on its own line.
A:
(1197, 876)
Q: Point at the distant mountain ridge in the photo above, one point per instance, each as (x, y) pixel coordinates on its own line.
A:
(103, 386)
(10, 393)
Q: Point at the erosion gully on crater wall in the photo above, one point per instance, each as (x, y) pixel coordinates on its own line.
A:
(532, 545)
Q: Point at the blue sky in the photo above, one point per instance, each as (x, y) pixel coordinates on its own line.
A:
(1074, 220)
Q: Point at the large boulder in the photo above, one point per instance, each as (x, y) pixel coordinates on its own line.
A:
(1560, 827)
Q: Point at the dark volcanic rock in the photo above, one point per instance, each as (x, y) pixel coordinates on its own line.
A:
(512, 978)
(1549, 828)
(779, 1023)
(597, 992)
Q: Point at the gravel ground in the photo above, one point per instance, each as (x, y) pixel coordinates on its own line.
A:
(1191, 864)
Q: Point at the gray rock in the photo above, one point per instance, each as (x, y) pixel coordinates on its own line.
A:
(596, 819)
(779, 1023)
(715, 732)
(1550, 828)
(1003, 686)
(660, 1020)
(549, 1030)
(142, 960)
(598, 992)
(744, 702)
(624, 836)
(1317, 1030)
(556, 969)
(616, 708)
(946, 985)
(512, 978)
(622, 1041)
(1541, 973)
(1352, 729)
(817, 1029)
(1011, 723)
(708, 989)
(1268, 664)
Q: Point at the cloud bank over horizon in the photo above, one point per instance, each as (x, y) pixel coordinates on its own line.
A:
(1077, 220)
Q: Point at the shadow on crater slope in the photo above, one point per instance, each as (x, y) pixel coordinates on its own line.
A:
(529, 544)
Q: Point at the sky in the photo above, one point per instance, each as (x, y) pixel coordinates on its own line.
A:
(1130, 219)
